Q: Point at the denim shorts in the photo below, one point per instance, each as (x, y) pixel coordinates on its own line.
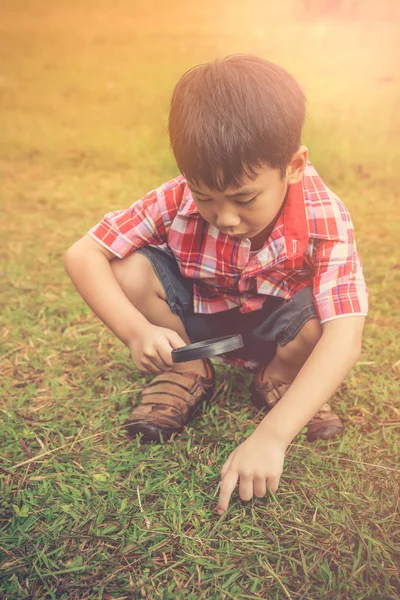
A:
(276, 323)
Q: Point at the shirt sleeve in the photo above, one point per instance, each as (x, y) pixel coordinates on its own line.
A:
(144, 223)
(339, 286)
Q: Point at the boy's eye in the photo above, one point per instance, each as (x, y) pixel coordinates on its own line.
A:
(236, 201)
(246, 201)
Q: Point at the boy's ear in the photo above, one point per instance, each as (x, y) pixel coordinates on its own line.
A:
(297, 165)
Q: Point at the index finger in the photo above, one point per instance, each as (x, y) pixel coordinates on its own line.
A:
(164, 352)
(228, 484)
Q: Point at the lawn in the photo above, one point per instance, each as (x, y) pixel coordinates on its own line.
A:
(86, 512)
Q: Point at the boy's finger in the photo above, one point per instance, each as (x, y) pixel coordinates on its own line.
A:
(228, 484)
(162, 359)
(150, 367)
(175, 340)
(155, 362)
(273, 483)
(227, 464)
(165, 355)
(246, 488)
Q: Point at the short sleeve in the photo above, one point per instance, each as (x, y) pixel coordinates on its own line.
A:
(144, 223)
(338, 283)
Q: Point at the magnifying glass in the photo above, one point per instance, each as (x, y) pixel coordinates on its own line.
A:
(207, 348)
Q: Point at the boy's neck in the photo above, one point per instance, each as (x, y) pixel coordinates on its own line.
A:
(258, 241)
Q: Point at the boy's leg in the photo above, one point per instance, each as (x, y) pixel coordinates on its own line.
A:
(289, 358)
(171, 399)
(141, 285)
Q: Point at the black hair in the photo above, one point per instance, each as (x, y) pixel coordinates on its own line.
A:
(230, 117)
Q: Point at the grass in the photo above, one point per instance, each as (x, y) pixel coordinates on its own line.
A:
(85, 512)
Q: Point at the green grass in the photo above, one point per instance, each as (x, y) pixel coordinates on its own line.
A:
(84, 511)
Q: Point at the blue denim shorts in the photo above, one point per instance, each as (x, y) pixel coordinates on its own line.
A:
(276, 323)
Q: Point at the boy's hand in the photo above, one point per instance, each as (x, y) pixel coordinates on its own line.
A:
(258, 463)
(151, 348)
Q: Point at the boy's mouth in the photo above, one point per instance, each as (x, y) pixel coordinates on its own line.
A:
(231, 234)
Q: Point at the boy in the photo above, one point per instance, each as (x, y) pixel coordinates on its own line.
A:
(247, 240)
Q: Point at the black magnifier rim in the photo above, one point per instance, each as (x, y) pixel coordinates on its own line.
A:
(208, 348)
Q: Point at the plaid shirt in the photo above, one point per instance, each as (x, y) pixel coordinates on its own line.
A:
(312, 243)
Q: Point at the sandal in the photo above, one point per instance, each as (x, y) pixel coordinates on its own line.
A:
(169, 402)
(265, 394)
(324, 425)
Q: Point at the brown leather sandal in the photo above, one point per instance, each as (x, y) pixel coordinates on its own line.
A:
(265, 394)
(324, 425)
(169, 402)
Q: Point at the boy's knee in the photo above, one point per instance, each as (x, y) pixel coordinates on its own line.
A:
(304, 342)
(310, 334)
(136, 276)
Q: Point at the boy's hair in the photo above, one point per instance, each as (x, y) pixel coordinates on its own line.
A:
(230, 117)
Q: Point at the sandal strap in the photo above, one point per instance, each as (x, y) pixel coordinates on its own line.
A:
(177, 390)
(325, 413)
(271, 390)
(169, 401)
(325, 416)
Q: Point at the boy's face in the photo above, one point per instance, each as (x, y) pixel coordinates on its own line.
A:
(247, 211)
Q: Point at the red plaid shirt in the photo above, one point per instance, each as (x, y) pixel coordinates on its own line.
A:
(312, 243)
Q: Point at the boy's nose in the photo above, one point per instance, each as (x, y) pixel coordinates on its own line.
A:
(227, 220)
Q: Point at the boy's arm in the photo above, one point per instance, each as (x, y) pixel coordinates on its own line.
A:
(88, 264)
(261, 455)
(118, 234)
(341, 299)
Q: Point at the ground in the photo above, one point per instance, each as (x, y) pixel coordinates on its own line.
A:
(85, 512)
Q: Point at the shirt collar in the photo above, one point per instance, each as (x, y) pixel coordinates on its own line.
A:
(295, 226)
(298, 218)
